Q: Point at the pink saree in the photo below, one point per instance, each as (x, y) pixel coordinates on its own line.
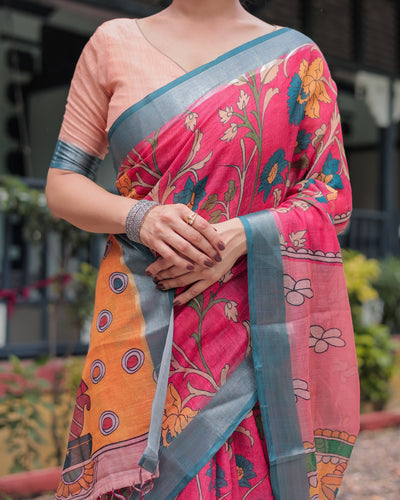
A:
(251, 389)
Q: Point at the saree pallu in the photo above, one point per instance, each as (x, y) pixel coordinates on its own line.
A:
(175, 402)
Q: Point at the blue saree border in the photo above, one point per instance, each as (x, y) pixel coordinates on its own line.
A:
(190, 451)
(148, 115)
(272, 361)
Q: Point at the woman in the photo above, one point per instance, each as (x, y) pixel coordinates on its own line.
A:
(222, 361)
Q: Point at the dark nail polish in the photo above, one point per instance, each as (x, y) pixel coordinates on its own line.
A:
(156, 280)
(217, 257)
(190, 267)
(176, 303)
(160, 286)
(208, 263)
(148, 273)
(221, 245)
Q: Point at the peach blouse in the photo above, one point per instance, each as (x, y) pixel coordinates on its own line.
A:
(117, 68)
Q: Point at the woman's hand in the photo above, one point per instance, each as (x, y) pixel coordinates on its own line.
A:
(200, 277)
(166, 230)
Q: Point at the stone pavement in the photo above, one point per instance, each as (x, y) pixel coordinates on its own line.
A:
(374, 470)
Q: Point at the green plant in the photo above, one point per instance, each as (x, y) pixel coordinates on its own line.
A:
(19, 200)
(387, 285)
(83, 287)
(375, 363)
(20, 413)
(34, 411)
(374, 347)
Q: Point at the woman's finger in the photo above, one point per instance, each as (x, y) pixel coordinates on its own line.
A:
(191, 292)
(184, 231)
(173, 258)
(178, 282)
(171, 272)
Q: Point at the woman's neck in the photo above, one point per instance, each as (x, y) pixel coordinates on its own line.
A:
(206, 9)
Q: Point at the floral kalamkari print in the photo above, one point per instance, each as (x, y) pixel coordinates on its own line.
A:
(268, 140)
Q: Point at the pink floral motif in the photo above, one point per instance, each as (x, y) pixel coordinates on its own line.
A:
(297, 239)
(243, 100)
(321, 339)
(277, 194)
(300, 204)
(301, 390)
(282, 240)
(230, 133)
(225, 114)
(191, 121)
(231, 311)
(296, 292)
(226, 277)
(319, 134)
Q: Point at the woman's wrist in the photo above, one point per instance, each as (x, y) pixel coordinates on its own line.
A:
(135, 218)
(234, 236)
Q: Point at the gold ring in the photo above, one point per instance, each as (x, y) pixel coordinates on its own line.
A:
(191, 218)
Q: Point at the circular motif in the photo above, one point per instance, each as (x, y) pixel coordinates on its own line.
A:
(97, 371)
(104, 320)
(118, 282)
(132, 360)
(107, 249)
(108, 422)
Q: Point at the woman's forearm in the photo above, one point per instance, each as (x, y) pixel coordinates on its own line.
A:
(164, 229)
(83, 203)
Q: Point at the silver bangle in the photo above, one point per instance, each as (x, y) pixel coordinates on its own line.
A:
(135, 218)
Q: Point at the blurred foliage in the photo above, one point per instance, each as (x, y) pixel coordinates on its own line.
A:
(33, 410)
(374, 345)
(20, 414)
(19, 200)
(387, 285)
(360, 274)
(83, 287)
(29, 403)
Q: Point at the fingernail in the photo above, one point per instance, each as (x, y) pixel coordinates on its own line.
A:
(217, 257)
(148, 273)
(176, 303)
(156, 280)
(190, 267)
(160, 286)
(208, 263)
(221, 245)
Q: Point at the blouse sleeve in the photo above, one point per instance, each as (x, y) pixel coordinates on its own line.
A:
(82, 142)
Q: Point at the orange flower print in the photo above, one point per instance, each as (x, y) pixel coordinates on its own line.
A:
(231, 311)
(175, 418)
(68, 487)
(230, 133)
(313, 86)
(225, 114)
(191, 121)
(124, 185)
(307, 89)
(243, 100)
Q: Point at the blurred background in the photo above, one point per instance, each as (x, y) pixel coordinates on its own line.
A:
(48, 269)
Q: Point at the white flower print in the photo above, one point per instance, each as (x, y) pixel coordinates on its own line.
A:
(321, 339)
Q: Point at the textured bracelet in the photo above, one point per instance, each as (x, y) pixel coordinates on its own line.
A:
(135, 218)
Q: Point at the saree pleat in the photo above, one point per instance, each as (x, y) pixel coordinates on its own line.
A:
(251, 389)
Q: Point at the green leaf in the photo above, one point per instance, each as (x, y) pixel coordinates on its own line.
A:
(212, 200)
(215, 216)
(230, 194)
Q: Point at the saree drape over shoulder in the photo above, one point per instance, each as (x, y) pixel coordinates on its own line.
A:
(251, 389)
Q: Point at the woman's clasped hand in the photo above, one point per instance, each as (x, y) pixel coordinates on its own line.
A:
(192, 252)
